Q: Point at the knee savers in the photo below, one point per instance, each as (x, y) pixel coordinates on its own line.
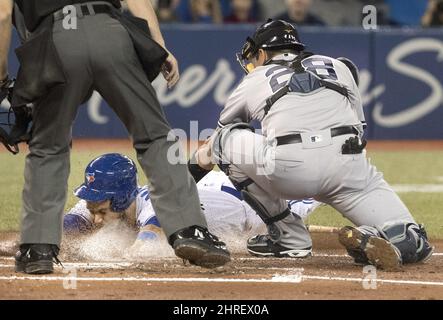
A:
(410, 239)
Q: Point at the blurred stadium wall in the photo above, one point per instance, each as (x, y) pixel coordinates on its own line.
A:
(401, 78)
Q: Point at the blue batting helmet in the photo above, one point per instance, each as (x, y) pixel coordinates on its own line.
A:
(110, 177)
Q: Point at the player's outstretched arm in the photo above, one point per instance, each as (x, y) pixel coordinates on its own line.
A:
(75, 224)
(148, 234)
(200, 163)
(78, 220)
(143, 9)
(5, 35)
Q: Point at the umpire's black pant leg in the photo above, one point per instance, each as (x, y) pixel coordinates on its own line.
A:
(120, 79)
(47, 165)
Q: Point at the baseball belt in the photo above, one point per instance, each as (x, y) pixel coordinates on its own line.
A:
(86, 10)
(296, 138)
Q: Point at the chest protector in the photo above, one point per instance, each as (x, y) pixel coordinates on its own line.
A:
(303, 81)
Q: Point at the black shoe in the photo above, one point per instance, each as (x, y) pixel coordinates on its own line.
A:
(199, 247)
(263, 246)
(36, 258)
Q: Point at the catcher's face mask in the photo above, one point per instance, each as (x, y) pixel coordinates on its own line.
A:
(244, 57)
(14, 121)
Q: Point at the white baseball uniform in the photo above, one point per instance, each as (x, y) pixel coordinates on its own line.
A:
(222, 205)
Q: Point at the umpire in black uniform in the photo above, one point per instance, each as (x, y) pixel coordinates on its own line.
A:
(72, 48)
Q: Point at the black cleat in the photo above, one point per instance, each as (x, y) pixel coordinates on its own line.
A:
(263, 246)
(36, 258)
(200, 247)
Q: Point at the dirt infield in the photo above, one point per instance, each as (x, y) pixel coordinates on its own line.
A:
(329, 274)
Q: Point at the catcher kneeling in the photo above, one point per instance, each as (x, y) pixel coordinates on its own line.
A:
(312, 118)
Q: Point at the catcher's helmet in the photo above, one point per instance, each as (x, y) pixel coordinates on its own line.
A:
(273, 35)
(110, 177)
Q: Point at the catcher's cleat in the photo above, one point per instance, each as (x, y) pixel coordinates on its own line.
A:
(366, 249)
(36, 258)
(263, 246)
(200, 247)
(354, 241)
(383, 254)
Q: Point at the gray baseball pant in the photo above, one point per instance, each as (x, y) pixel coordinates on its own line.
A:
(349, 183)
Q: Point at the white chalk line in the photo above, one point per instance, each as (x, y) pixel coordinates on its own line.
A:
(277, 279)
(101, 265)
(426, 188)
(412, 282)
(90, 265)
(290, 278)
(314, 255)
(283, 279)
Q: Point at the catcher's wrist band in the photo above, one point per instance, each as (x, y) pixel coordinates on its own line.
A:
(196, 171)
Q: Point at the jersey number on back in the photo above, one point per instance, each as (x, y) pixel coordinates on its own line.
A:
(277, 72)
(322, 67)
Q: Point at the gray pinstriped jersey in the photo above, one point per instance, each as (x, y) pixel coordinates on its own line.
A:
(296, 112)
